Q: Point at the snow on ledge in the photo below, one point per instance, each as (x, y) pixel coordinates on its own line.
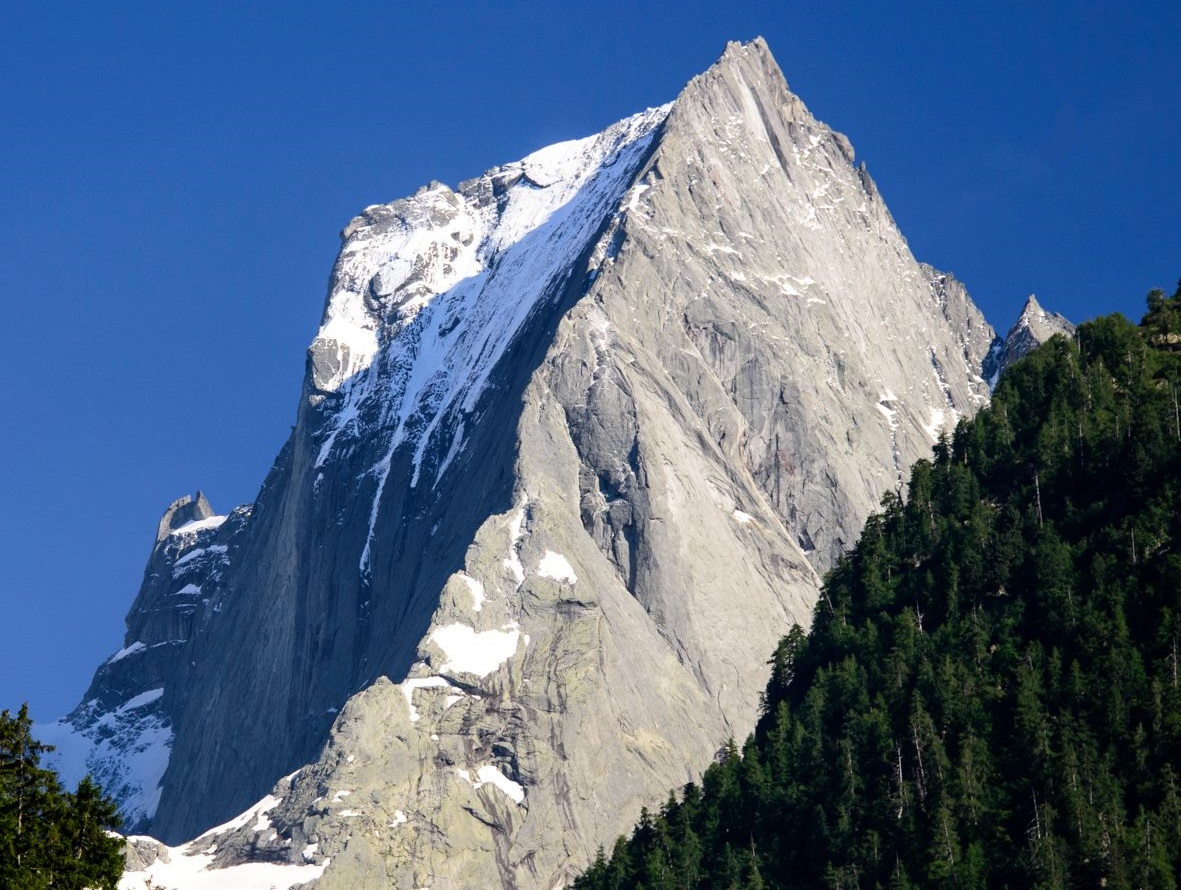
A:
(137, 646)
(144, 698)
(468, 651)
(197, 525)
(556, 566)
(516, 528)
(477, 590)
(257, 813)
(490, 775)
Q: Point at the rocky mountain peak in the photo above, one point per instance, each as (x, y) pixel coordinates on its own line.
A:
(190, 508)
(1034, 326)
(576, 441)
(1041, 323)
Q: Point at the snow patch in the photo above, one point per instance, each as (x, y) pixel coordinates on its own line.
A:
(741, 517)
(885, 403)
(191, 865)
(943, 420)
(556, 566)
(468, 651)
(139, 701)
(188, 557)
(516, 526)
(633, 196)
(490, 775)
(198, 525)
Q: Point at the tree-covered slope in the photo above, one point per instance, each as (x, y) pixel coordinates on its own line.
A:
(989, 695)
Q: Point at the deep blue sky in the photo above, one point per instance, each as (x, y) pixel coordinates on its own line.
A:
(172, 179)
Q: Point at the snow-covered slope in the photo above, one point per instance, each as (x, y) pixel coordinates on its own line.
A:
(437, 288)
(212, 861)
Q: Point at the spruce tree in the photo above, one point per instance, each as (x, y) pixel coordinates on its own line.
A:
(51, 838)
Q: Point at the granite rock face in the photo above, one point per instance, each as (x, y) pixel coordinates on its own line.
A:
(575, 441)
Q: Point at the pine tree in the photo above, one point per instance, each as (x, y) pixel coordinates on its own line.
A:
(50, 837)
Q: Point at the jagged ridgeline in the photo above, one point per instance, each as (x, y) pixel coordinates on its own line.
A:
(989, 695)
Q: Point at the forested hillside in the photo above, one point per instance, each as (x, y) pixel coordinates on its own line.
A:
(989, 694)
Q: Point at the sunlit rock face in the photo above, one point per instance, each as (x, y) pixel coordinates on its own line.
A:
(575, 439)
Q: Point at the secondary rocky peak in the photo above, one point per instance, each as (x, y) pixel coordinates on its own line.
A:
(1034, 326)
(1043, 324)
(1031, 308)
(189, 508)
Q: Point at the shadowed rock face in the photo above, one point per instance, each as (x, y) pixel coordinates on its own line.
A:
(575, 441)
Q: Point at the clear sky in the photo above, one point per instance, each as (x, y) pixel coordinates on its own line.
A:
(173, 178)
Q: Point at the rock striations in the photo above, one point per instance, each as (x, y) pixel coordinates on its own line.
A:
(575, 440)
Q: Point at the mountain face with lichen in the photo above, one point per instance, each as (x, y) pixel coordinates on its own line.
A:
(575, 440)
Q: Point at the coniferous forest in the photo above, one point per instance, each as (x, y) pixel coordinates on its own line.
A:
(990, 695)
(50, 837)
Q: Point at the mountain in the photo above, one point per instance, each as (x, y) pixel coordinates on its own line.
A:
(1033, 327)
(575, 440)
(989, 695)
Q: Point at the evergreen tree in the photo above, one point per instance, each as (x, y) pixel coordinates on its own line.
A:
(50, 838)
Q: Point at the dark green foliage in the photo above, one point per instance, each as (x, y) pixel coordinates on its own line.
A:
(50, 838)
(989, 696)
